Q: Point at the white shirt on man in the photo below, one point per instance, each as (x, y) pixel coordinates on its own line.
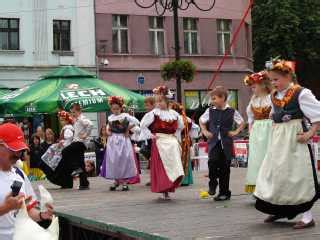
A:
(7, 221)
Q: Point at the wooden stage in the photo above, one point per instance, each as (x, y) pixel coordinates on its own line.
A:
(140, 215)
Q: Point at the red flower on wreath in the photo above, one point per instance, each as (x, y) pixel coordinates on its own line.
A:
(255, 78)
(65, 116)
(116, 100)
(161, 90)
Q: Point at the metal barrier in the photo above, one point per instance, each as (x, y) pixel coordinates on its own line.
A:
(77, 228)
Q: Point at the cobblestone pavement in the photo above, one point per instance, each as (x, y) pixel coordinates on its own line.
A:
(185, 217)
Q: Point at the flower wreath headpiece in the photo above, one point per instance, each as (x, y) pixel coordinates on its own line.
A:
(281, 65)
(255, 78)
(65, 116)
(163, 91)
(116, 100)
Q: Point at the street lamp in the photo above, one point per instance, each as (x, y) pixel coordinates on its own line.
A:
(162, 6)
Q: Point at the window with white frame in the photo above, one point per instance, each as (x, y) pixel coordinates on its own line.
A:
(190, 31)
(156, 32)
(224, 36)
(120, 34)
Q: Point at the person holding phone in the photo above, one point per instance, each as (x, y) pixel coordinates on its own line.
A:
(11, 203)
(13, 182)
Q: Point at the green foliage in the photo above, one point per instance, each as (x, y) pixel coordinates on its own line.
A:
(183, 68)
(289, 28)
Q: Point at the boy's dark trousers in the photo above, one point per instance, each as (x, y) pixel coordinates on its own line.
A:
(219, 170)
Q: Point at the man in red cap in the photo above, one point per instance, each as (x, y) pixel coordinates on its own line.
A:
(12, 145)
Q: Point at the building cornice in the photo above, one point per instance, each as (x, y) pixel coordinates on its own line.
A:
(171, 56)
(42, 68)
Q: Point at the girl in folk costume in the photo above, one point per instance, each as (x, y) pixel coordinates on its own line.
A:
(57, 168)
(287, 182)
(166, 167)
(119, 162)
(185, 136)
(258, 112)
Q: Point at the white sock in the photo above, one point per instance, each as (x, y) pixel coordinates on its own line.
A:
(307, 217)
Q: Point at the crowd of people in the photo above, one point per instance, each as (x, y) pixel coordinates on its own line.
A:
(281, 173)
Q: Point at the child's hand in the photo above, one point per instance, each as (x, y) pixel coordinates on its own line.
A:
(208, 134)
(232, 133)
(303, 137)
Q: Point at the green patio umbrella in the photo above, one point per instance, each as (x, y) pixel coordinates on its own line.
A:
(4, 91)
(63, 87)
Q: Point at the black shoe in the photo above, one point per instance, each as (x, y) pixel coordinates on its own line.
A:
(113, 188)
(212, 192)
(66, 187)
(84, 187)
(76, 172)
(220, 198)
(272, 218)
(125, 188)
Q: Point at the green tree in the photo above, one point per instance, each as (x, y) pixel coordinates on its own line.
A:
(275, 28)
(290, 29)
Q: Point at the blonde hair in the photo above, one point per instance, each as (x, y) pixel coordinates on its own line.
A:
(150, 100)
(49, 130)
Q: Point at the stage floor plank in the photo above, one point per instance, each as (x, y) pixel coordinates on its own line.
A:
(185, 217)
